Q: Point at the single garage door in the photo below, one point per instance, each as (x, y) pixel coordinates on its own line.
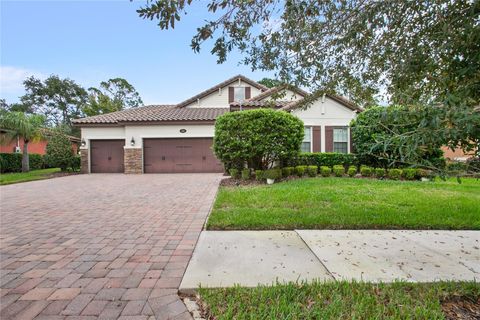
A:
(106, 156)
(180, 155)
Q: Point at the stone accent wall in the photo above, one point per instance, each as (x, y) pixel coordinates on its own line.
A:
(84, 160)
(133, 160)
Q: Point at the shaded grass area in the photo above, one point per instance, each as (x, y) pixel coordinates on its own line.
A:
(349, 203)
(339, 300)
(9, 178)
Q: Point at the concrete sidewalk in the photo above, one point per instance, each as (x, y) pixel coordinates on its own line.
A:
(249, 258)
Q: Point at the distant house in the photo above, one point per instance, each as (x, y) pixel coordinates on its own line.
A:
(456, 155)
(178, 138)
(38, 147)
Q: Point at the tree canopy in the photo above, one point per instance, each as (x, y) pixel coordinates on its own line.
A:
(112, 95)
(420, 54)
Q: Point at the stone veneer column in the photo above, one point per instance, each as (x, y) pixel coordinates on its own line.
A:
(133, 160)
(84, 160)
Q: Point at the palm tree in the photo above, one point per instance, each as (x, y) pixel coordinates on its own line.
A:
(23, 126)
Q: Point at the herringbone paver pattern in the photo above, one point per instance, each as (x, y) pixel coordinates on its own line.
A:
(100, 246)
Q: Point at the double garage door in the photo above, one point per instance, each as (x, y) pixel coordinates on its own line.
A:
(159, 155)
(179, 155)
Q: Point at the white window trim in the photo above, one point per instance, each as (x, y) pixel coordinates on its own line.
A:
(311, 137)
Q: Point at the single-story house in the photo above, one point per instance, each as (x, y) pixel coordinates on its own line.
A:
(8, 145)
(178, 138)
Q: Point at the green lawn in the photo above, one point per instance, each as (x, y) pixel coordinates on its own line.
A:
(9, 178)
(338, 300)
(348, 203)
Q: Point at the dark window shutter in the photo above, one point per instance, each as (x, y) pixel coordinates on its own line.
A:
(230, 94)
(248, 92)
(317, 138)
(328, 139)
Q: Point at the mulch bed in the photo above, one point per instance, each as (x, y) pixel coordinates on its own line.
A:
(61, 174)
(232, 182)
(464, 308)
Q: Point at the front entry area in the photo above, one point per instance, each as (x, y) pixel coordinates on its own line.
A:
(106, 156)
(177, 155)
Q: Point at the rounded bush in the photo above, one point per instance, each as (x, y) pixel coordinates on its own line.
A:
(234, 173)
(409, 173)
(300, 170)
(394, 174)
(366, 171)
(325, 171)
(338, 170)
(312, 171)
(257, 137)
(59, 152)
(380, 173)
(352, 171)
(273, 174)
(288, 171)
(259, 175)
(245, 174)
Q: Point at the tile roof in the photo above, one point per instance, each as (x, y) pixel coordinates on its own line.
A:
(221, 85)
(154, 113)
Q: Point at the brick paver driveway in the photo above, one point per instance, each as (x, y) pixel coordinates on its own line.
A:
(100, 246)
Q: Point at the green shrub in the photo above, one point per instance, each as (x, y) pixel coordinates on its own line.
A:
(59, 151)
(379, 173)
(457, 167)
(300, 170)
(338, 170)
(259, 175)
(312, 171)
(76, 163)
(325, 171)
(273, 174)
(251, 136)
(473, 165)
(352, 171)
(409, 173)
(36, 161)
(366, 171)
(421, 173)
(288, 171)
(245, 174)
(234, 173)
(319, 159)
(394, 174)
(12, 162)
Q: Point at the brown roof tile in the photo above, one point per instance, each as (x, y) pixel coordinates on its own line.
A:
(155, 113)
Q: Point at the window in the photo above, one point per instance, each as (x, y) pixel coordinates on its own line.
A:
(307, 140)
(340, 140)
(238, 93)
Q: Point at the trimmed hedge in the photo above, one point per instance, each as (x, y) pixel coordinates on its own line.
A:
(273, 174)
(300, 170)
(312, 171)
(366, 171)
(409, 173)
(380, 172)
(394, 174)
(338, 170)
(259, 175)
(234, 173)
(325, 171)
(352, 171)
(245, 174)
(12, 162)
(319, 159)
(288, 171)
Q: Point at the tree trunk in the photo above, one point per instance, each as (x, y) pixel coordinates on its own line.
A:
(25, 159)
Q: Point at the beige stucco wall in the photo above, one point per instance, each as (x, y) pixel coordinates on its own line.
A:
(327, 113)
(219, 99)
(92, 133)
(285, 95)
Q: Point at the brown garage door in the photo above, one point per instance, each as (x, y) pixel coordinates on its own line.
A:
(180, 155)
(106, 156)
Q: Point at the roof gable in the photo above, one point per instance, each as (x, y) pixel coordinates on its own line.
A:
(221, 85)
